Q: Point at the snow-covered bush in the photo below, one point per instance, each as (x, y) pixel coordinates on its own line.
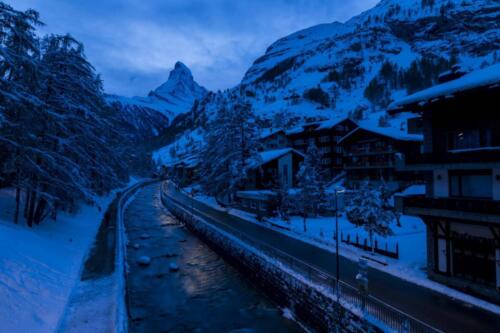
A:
(368, 209)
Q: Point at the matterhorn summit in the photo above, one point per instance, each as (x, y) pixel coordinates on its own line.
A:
(171, 98)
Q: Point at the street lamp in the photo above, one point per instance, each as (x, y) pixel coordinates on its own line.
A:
(337, 192)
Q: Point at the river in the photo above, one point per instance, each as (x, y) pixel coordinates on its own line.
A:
(206, 294)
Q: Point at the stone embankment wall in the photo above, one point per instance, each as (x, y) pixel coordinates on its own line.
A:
(311, 305)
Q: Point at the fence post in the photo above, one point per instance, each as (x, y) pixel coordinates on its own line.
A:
(405, 326)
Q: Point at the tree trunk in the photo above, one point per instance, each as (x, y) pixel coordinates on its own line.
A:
(39, 211)
(18, 201)
(31, 209)
(371, 241)
(27, 200)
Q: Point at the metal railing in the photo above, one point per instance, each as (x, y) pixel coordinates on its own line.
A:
(349, 296)
(469, 205)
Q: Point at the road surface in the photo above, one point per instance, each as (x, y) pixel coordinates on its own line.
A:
(438, 310)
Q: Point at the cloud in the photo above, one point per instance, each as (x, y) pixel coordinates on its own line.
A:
(134, 43)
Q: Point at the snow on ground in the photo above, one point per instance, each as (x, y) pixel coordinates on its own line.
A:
(411, 237)
(39, 266)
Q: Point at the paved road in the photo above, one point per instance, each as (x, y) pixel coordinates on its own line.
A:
(205, 295)
(440, 311)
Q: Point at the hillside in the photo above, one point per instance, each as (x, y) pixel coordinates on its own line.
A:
(358, 67)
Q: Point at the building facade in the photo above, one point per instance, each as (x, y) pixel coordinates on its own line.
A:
(374, 155)
(271, 139)
(461, 206)
(326, 136)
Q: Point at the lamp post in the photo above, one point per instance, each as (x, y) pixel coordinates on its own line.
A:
(337, 257)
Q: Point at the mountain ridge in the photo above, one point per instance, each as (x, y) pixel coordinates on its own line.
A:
(359, 67)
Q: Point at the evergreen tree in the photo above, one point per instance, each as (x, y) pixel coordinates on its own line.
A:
(312, 186)
(283, 203)
(231, 149)
(19, 68)
(367, 210)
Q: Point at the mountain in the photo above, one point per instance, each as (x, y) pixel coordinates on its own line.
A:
(358, 67)
(395, 48)
(153, 114)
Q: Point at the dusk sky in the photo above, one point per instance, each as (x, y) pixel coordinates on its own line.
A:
(134, 43)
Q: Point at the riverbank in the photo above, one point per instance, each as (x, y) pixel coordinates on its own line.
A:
(205, 293)
(39, 266)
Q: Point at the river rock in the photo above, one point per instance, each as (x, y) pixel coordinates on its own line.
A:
(173, 267)
(145, 236)
(136, 246)
(144, 261)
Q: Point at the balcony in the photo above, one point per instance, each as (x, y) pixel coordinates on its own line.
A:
(368, 152)
(469, 156)
(479, 210)
(369, 165)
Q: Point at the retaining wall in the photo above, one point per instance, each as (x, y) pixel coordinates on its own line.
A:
(311, 305)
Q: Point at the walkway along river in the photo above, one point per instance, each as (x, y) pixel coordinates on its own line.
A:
(205, 295)
(442, 312)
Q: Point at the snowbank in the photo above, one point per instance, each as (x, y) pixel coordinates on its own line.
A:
(40, 266)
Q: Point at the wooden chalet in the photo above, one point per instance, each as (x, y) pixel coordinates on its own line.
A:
(325, 135)
(271, 168)
(461, 206)
(272, 139)
(374, 154)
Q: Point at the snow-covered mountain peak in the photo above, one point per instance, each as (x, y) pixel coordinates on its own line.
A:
(172, 98)
(180, 85)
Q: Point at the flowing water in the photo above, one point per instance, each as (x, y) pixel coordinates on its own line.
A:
(206, 294)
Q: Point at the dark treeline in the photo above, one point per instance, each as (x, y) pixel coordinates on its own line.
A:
(59, 142)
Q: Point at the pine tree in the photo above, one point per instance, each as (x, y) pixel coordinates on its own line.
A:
(231, 149)
(19, 67)
(283, 203)
(312, 186)
(367, 210)
(60, 143)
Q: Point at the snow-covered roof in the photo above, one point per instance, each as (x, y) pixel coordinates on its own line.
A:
(414, 190)
(330, 123)
(485, 77)
(187, 161)
(320, 125)
(267, 132)
(390, 132)
(270, 155)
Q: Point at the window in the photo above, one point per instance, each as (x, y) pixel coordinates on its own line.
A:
(326, 161)
(324, 150)
(471, 183)
(337, 138)
(324, 139)
(338, 149)
(469, 139)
